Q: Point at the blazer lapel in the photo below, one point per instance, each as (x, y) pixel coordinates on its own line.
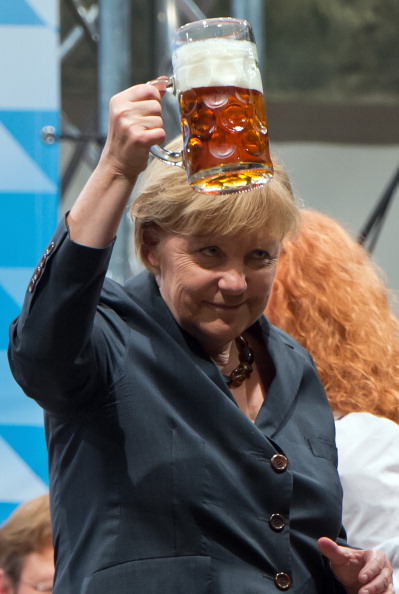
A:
(289, 364)
(287, 357)
(144, 288)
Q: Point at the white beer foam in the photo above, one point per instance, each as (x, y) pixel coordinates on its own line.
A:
(217, 62)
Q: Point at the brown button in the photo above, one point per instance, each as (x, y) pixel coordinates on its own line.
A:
(279, 462)
(283, 581)
(37, 274)
(276, 522)
(49, 248)
(42, 262)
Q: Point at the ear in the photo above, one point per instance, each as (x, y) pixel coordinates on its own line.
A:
(150, 239)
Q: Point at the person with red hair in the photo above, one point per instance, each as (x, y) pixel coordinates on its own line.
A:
(332, 298)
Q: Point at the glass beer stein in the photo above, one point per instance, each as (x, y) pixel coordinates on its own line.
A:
(217, 81)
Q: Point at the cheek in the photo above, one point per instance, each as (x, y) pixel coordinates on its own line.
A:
(265, 278)
(180, 289)
(263, 285)
(270, 279)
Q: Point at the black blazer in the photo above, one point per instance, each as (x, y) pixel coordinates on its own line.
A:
(159, 483)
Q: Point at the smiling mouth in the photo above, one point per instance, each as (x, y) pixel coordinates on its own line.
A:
(225, 306)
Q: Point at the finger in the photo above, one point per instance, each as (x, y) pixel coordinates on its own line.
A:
(382, 584)
(137, 93)
(147, 138)
(376, 563)
(161, 83)
(138, 109)
(146, 91)
(148, 107)
(376, 576)
(131, 121)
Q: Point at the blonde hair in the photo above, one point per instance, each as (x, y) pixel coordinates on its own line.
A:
(27, 530)
(168, 203)
(330, 296)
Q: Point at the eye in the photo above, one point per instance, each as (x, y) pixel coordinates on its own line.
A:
(260, 255)
(210, 250)
(263, 258)
(208, 256)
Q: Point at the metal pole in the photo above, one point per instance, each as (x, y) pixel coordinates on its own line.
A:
(113, 54)
(190, 9)
(114, 50)
(78, 32)
(82, 16)
(166, 22)
(254, 12)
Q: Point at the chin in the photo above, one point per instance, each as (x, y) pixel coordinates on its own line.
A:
(220, 332)
(215, 330)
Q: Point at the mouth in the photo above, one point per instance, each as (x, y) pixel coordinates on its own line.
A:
(225, 306)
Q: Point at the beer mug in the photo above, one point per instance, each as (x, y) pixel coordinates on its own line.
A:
(217, 81)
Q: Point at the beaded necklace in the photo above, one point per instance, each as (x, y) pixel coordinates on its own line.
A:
(244, 369)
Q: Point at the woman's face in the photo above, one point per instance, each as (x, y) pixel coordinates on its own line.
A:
(215, 287)
(37, 571)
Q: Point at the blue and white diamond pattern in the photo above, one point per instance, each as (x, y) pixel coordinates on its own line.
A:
(29, 188)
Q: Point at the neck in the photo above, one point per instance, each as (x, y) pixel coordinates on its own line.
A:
(221, 356)
(234, 360)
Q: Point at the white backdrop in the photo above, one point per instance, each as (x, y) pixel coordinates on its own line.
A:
(346, 182)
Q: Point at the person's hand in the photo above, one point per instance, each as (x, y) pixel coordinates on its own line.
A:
(360, 572)
(135, 123)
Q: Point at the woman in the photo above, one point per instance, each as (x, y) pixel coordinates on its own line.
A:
(184, 452)
(26, 549)
(330, 296)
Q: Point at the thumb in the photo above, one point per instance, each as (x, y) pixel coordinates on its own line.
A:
(332, 551)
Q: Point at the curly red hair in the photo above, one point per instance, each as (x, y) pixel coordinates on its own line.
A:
(331, 297)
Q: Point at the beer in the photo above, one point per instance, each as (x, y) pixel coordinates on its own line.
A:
(223, 116)
(222, 112)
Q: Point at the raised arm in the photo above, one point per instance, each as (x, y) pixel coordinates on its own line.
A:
(53, 352)
(135, 124)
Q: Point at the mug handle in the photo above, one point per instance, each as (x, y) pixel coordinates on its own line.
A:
(166, 84)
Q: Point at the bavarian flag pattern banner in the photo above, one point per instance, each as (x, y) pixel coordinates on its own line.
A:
(29, 197)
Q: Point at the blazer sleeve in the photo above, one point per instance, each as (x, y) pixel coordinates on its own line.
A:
(51, 352)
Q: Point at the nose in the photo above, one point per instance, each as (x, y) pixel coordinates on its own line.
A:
(233, 281)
